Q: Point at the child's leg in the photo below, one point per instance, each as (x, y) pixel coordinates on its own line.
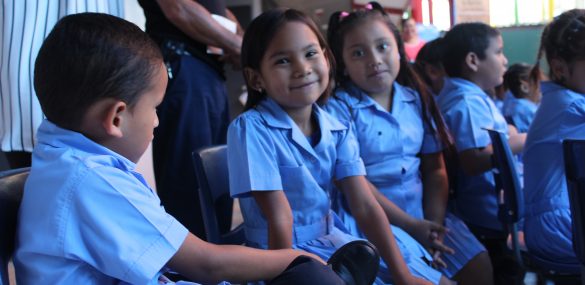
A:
(477, 271)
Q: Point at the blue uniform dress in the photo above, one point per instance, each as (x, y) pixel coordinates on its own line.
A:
(87, 217)
(267, 151)
(390, 145)
(547, 214)
(466, 110)
(520, 112)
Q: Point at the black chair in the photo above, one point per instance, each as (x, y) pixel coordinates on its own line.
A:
(11, 190)
(511, 208)
(574, 156)
(508, 188)
(216, 203)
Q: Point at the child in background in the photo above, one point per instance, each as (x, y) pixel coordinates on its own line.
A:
(401, 136)
(285, 151)
(519, 110)
(428, 64)
(87, 217)
(474, 61)
(561, 115)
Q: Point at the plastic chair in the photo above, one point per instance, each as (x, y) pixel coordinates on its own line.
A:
(511, 208)
(216, 203)
(11, 190)
(508, 188)
(574, 156)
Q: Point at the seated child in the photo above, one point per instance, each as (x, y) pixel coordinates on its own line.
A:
(87, 217)
(561, 115)
(401, 136)
(428, 64)
(519, 109)
(285, 152)
(474, 61)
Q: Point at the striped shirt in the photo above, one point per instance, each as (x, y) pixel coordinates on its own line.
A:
(24, 25)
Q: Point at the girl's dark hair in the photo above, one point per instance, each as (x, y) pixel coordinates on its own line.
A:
(88, 57)
(430, 54)
(514, 75)
(563, 38)
(463, 39)
(341, 23)
(257, 38)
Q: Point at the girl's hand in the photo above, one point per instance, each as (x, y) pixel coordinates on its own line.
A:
(430, 235)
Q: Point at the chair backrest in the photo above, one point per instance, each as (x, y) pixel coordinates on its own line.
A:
(214, 194)
(11, 190)
(510, 196)
(574, 156)
(508, 190)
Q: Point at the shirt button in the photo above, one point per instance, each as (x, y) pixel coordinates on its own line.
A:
(403, 170)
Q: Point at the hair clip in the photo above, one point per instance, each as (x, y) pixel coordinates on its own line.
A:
(342, 15)
(369, 6)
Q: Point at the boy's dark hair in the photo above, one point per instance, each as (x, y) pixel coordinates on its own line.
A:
(563, 38)
(257, 38)
(514, 75)
(463, 39)
(340, 24)
(88, 57)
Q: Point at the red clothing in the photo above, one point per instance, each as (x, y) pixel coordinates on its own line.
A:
(412, 49)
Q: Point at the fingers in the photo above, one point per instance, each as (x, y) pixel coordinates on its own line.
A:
(438, 245)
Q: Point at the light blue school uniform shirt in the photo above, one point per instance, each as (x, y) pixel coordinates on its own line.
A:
(267, 151)
(547, 213)
(87, 217)
(466, 110)
(390, 145)
(521, 112)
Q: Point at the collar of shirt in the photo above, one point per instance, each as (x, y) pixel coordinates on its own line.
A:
(51, 134)
(276, 117)
(359, 98)
(462, 86)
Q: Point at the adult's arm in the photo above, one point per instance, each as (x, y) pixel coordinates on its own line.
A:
(195, 21)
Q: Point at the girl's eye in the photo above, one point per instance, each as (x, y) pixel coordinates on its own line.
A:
(383, 46)
(358, 53)
(282, 61)
(311, 53)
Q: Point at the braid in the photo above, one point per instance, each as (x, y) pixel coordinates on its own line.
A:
(564, 39)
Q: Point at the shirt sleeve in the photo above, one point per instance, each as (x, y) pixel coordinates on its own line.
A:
(120, 227)
(252, 159)
(349, 162)
(466, 119)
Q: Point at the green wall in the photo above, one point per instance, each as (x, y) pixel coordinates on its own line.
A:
(521, 43)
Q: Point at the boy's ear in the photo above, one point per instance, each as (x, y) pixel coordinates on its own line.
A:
(253, 78)
(114, 117)
(524, 86)
(472, 61)
(559, 69)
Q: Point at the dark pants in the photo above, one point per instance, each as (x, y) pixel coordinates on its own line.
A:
(305, 270)
(18, 159)
(193, 114)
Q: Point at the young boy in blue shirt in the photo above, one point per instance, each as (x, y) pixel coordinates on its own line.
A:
(474, 61)
(87, 216)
